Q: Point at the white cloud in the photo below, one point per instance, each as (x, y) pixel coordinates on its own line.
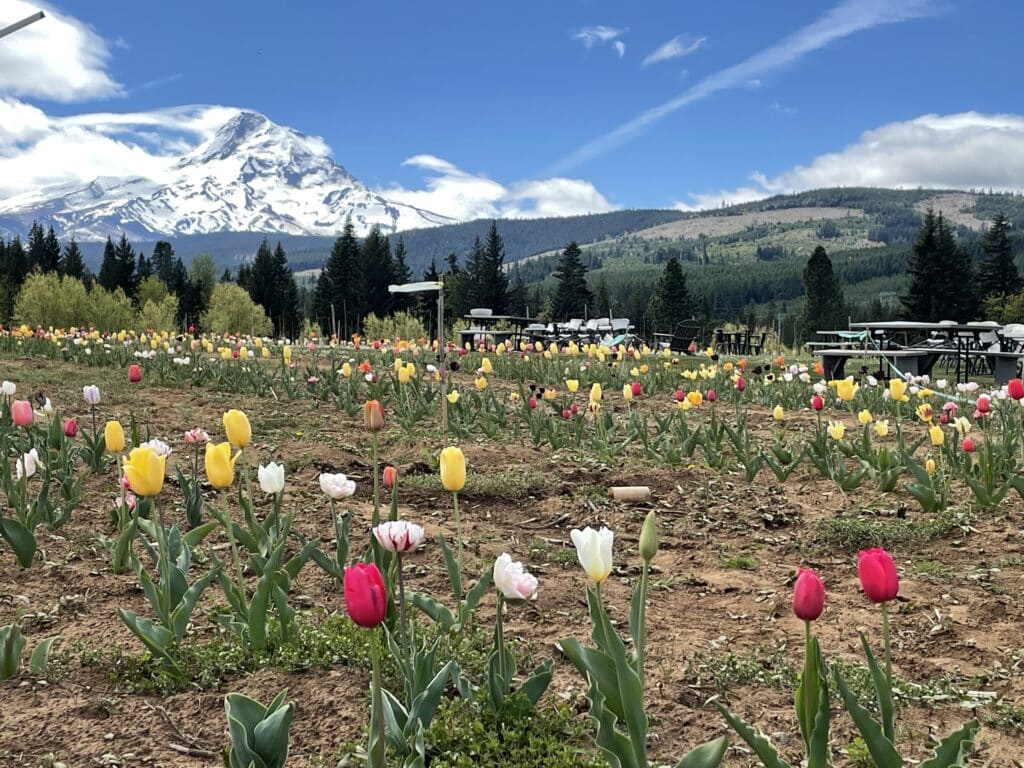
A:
(450, 191)
(969, 150)
(57, 58)
(591, 36)
(620, 48)
(676, 48)
(846, 18)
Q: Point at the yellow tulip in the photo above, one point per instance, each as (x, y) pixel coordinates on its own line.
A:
(925, 412)
(882, 427)
(346, 369)
(453, 469)
(777, 413)
(237, 429)
(898, 390)
(220, 464)
(937, 435)
(627, 392)
(961, 425)
(485, 366)
(287, 354)
(403, 375)
(865, 417)
(264, 353)
(113, 436)
(480, 382)
(634, 371)
(453, 396)
(595, 393)
(550, 393)
(145, 471)
(929, 466)
(695, 398)
(846, 389)
(836, 430)
(572, 384)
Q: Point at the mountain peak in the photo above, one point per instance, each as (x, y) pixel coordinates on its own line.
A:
(244, 129)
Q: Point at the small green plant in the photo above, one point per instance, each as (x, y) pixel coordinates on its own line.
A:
(259, 734)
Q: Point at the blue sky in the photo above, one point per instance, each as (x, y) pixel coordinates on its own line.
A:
(802, 93)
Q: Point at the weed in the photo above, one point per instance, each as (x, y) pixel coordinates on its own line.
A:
(740, 563)
(514, 486)
(850, 534)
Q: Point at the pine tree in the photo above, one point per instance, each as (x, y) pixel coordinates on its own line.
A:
(456, 293)
(36, 247)
(517, 305)
(338, 285)
(920, 300)
(144, 268)
(287, 316)
(124, 259)
(109, 276)
(377, 270)
(572, 295)
(17, 266)
(226, 276)
(496, 295)
(602, 297)
(401, 302)
(671, 303)
(823, 305)
(163, 262)
(73, 264)
(244, 276)
(997, 273)
(51, 252)
(476, 275)
(260, 278)
(955, 287)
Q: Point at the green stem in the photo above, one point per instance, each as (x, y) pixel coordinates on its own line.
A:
(375, 753)
(234, 547)
(376, 482)
(641, 635)
(499, 631)
(810, 707)
(401, 608)
(885, 640)
(458, 530)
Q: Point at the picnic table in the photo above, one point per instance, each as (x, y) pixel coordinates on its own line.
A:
(484, 325)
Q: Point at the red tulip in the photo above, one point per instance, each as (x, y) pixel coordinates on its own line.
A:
(711, 396)
(878, 577)
(1015, 389)
(532, 403)
(70, 428)
(741, 383)
(808, 595)
(574, 408)
(134, 374)
(21, 413)
(366, 598)
(817, 403)
(566, 414)
(192, 329)
(984, 405)
(968, 445)
(390, 477)
(636, 389)
(680, 395)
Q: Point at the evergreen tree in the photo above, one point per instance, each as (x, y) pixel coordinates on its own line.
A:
(73, 263)
(496, 279)
(456, 293)
(401, 302)
(338, 285)
(997, 273)
(671, 303)
(921, 265)
(51, 252)
(36, 247)
(226, 276)
(109, 275)
(287, 316)
(124, 259)
(956, 291)
(517, 296)
(143, 269)
(824, 307)
(163, 263)
(377, 270)
(476, 276)
(16, 265)
(260, 278)
(426, 303)
(572, 295)
(244, 278)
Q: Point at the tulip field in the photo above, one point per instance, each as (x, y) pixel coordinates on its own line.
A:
(248, 552)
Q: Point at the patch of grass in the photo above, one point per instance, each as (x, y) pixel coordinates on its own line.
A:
(850, 534)
(933, 569)
(542, 549)
(740, 563)
(513, 486)
(725, 671)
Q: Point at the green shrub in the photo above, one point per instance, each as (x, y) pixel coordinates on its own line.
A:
(110, 310)
(159, 315)
(152, 289)
(51, 300)
(232, 310)
(401, 325)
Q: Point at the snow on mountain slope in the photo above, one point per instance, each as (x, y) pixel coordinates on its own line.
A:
(252, 175)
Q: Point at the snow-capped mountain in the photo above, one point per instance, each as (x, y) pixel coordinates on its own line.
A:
(252, 175)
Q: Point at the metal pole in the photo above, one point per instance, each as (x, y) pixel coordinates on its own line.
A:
(21, 24)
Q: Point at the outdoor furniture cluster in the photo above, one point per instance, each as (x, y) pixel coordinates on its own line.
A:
(487, 328)
(964, 350)
(742, 341)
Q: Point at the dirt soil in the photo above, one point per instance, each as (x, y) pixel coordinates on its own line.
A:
(959, 613)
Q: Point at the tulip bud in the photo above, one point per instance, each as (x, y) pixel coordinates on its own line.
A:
(237, 428)
(366, 599)
(712, 396)
(1015, 389)
(636, 388)
(70, 428)
(453, 469)
(649, 537)
(134, 374)
(808, 595)
(878, 577)
(817, 402)
(777, 413)
(968, 445)
(373, 416)
(21, 413)
(741, 384)
(389, 477)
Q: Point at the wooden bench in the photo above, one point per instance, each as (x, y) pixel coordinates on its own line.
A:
(916, 362)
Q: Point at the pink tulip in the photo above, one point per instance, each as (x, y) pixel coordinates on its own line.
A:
(134, 374)
(817, 403)
(70, 428)
(878, 577)
(711, 396)
(21, 413)
(636, 389)
(808, 595)
(968, 445)
(741, 384)
(366, 599)
(512, 580)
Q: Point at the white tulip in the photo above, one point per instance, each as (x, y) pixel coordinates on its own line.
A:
(337, 486)
(26, 466)
(272, 477)
(7, 389)
(398, 535)
(159, 447)
(512, 580)
(594, 550)
(91, 393)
